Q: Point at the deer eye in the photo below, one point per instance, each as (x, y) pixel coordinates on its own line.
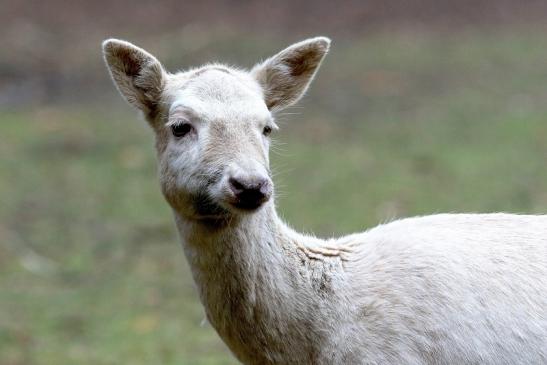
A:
(267, 131)
(179, 130)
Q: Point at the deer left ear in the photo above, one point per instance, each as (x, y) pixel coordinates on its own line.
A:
(286, 76)
(138, 75)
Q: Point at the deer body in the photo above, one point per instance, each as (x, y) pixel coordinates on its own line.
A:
(445, 289)
(442, 289)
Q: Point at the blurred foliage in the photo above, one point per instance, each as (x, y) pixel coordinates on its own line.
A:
(398, 123)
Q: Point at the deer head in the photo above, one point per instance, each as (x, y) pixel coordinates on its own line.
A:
(213, 123)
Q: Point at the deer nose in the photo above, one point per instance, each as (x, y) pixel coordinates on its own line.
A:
(250, 193)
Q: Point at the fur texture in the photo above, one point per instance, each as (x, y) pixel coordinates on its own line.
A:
(442, 289)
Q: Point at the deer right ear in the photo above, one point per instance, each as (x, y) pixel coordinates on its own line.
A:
(138, 75)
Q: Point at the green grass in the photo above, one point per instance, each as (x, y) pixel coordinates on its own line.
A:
(398, 124)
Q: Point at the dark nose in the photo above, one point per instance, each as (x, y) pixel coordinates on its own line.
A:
(250, 193)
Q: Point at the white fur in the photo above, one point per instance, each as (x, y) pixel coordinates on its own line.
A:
(442, 289)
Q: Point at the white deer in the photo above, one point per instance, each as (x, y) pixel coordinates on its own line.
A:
(440, 289)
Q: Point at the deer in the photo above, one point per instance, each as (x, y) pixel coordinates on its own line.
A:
(437, 289)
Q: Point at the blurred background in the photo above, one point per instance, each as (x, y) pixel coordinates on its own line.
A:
(421, 107)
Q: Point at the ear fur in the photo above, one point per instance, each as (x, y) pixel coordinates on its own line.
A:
(137, 74)
(286, 76)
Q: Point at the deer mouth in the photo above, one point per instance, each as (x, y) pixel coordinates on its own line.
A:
(206, 207)
(248, 202)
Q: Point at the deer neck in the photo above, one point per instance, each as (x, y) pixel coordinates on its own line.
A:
(255, 283)
(237, 259)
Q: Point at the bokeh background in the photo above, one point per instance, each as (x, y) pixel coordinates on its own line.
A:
(421, 107)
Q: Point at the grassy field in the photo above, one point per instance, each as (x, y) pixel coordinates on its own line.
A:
(397, 124)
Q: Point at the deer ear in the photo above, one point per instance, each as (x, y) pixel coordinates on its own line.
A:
(138, 75)
(286, 76)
